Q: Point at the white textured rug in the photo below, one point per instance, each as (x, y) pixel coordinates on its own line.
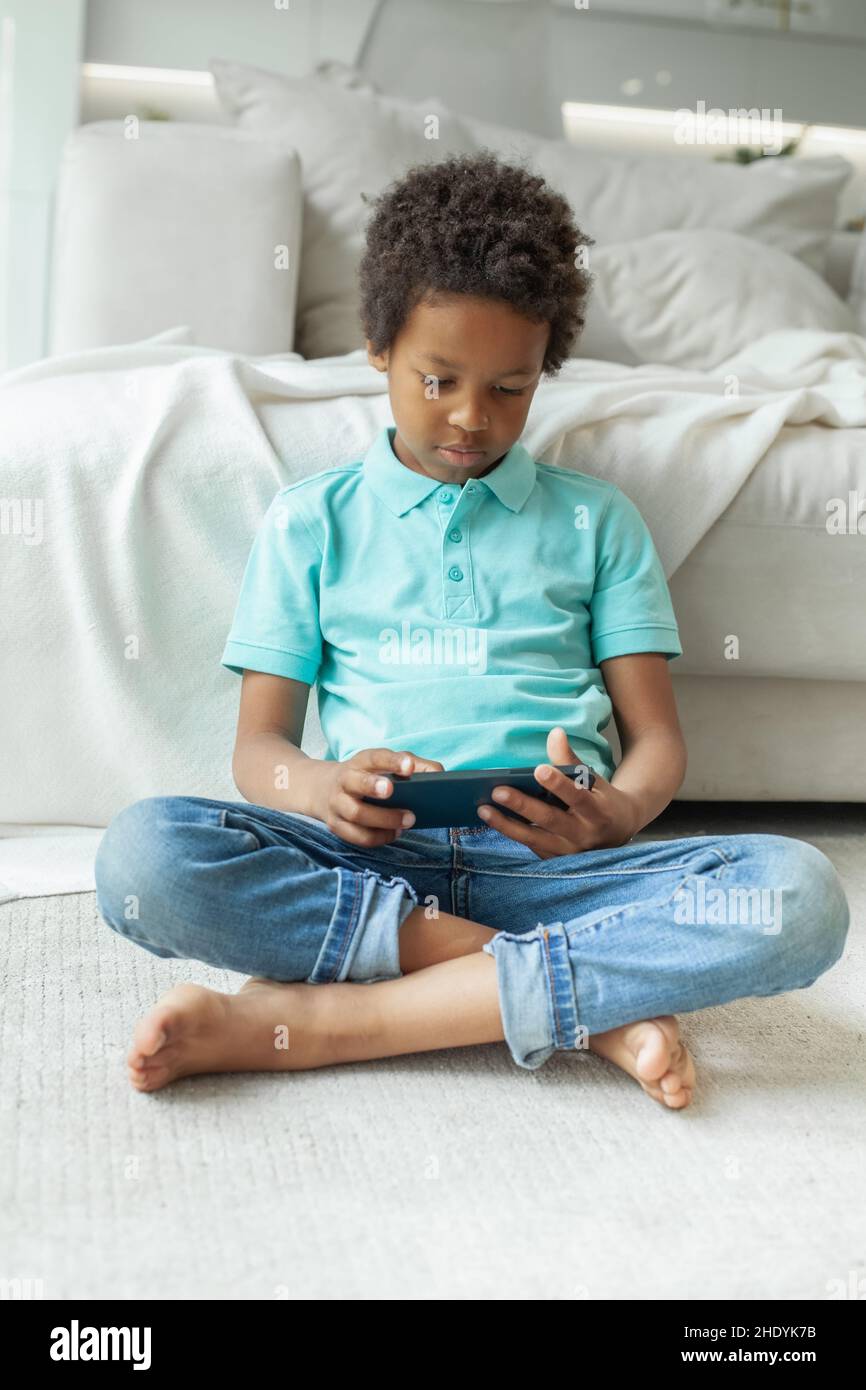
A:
(444, 1175)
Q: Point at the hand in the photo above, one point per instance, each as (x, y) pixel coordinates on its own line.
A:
(344, 784)
(594, 819)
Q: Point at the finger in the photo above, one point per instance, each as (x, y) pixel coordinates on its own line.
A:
(359, 834)
(359, 783)
(420, 764)
(356, 812)
(385, 760)
(558, 735)
(356, 785)
(536, 838)
(559, 748)
(566, 788)
(551, 818)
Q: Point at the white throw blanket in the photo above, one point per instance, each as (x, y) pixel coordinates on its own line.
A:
(134, 479)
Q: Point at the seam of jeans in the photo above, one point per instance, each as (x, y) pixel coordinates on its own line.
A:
(577, 873)
(511, 873)
(355, 914)
(558, 1028)
(594, 873)
(551, 983)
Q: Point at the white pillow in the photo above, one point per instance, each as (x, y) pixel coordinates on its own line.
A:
(786, 202)
(178, 225)
(352, 139)
(694, 298)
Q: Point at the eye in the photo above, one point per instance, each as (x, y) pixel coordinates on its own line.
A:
(449, 381)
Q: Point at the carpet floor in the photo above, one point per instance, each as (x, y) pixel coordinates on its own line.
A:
(444, 1175)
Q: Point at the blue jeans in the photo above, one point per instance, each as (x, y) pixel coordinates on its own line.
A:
(585, 942)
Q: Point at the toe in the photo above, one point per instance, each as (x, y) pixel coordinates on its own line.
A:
(653, 1092)
(652, 1055)
(150, 1080)
(680, 1100)
(150, 1035)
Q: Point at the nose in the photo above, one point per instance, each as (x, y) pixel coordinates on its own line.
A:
(469, 413)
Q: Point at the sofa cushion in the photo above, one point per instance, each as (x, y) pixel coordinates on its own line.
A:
(180, 225)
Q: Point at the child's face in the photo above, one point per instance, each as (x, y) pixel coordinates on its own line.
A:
(450, 371)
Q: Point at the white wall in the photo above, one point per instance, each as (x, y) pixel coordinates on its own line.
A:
(513, 63)
(40, 47)
(187, 33)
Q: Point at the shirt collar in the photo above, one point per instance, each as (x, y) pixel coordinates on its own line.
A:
(401, 488)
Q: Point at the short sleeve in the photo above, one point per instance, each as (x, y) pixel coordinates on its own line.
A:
(631, 608)
(276, 624)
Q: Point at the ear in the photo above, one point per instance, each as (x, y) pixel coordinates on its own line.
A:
(379, 360)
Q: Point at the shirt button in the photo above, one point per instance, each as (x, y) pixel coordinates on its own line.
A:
(455, 572)
(445, 497)
(470, 487)
(455, 535)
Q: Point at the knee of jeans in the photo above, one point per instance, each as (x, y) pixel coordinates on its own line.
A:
(815, 912)
(130, 864)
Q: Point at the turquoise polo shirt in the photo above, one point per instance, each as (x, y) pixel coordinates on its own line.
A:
(459, 622)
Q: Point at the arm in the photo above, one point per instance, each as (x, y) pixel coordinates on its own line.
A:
(268, 766)
(654, 754)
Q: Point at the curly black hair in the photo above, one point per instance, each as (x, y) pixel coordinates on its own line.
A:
(473, 224)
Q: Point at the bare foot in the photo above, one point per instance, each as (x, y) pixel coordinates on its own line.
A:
(266, 1026)
(652, 1052)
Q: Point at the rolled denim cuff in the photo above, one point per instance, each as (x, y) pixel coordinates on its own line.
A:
(536, 992)
(362, 940)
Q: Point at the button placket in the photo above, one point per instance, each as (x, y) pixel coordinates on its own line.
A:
(456, 572)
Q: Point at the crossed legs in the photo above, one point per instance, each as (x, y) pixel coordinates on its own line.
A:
(446, 997)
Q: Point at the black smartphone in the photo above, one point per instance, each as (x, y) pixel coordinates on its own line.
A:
(452, 798)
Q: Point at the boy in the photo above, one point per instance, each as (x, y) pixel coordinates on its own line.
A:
(562, 933)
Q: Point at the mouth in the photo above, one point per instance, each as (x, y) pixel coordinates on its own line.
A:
(463, 458)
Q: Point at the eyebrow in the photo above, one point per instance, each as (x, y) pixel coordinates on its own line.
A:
(455, 366)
